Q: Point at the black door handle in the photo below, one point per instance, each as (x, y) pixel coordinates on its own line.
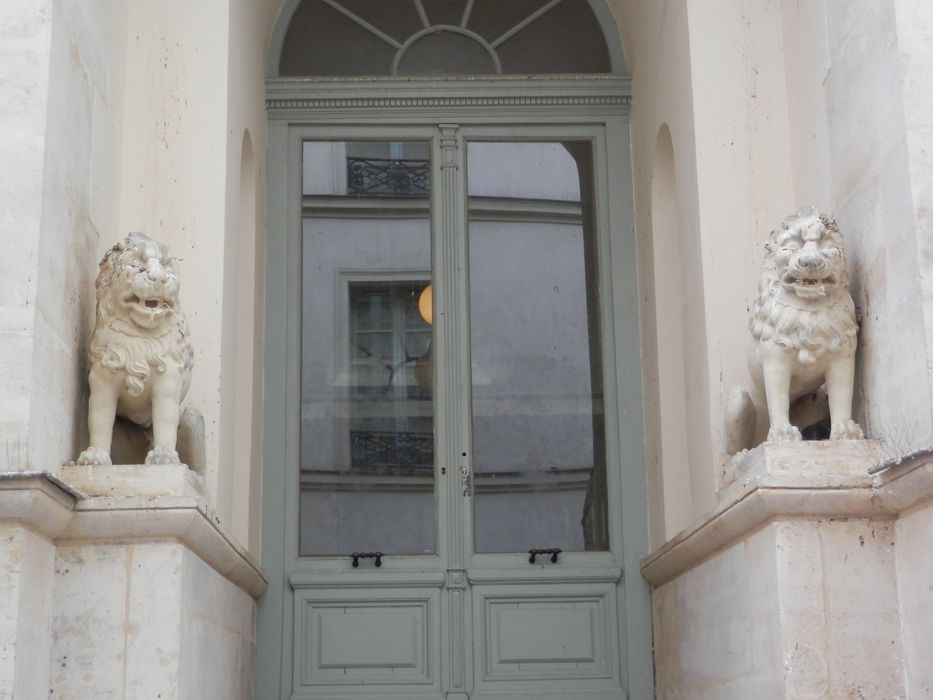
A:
(535, 552)
(366, 555)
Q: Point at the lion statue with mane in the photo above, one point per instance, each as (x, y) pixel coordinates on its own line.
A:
(141, 353)
(804, 327)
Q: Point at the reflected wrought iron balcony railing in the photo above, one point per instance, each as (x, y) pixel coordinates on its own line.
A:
(400, 453)
(388, 177)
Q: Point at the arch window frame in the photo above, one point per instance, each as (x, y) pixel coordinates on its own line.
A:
(600, 9)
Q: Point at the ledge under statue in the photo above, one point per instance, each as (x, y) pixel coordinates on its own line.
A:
(141, 354)
(804, 329)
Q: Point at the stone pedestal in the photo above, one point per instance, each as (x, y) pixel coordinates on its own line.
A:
(139, 480)
(34, 510)
(809, 580)
(122, 584)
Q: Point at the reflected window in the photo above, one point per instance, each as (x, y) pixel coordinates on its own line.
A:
(367, 413)
(390, 362)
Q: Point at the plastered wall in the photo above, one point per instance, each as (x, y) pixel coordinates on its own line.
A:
(658, 57)
(55, 74)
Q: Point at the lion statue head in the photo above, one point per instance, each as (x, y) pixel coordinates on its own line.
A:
(803, 300)
(140, 326)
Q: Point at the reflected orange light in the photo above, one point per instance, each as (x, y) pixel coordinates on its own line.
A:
(426, 305)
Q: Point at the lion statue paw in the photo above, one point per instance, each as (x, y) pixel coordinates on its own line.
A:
(784, 433)
(94, 456)
(804, 329)
(846, 430)
(141, 353)
(162, 455)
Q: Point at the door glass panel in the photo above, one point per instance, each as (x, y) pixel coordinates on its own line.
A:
(367, 417)
(538, 425)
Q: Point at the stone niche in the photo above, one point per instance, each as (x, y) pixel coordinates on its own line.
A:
(810, 579)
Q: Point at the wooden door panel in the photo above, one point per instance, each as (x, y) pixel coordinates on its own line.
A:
(544, 636)
(387, 638)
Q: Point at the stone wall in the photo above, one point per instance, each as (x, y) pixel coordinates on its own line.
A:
(771, 108)
(867, 95)
(659, 58)
(135, 592)
(27, 560)
(56, 82)
(799, 609)
(164, 623)
(810, 580)
(118, 117)
(25, 37)
(914, 533)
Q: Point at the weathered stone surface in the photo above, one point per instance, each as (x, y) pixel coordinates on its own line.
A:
(26, 562)
(135, 480)
(804, 329)
(914, 537)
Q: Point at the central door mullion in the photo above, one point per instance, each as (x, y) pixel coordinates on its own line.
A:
(452, 333)
(454, 451)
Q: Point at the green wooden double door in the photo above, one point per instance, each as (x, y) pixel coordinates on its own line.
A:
(453, 481)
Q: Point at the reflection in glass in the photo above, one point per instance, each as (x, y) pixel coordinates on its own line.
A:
(367, 435)
(538, 433)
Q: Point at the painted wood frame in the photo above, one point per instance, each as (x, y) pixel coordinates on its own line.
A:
(456, 582)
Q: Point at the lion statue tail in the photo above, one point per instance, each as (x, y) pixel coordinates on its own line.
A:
(740, 418)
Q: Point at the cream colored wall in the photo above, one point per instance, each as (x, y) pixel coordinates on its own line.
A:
(190, 107)
(657, 53)
(744, 172)
(27, 563)
(171, 159)
(915, 602)
(24, 76)
(714, 74)
(241, 364)
(773, 106)
(667, 318)
(53, 79)
(877, 93)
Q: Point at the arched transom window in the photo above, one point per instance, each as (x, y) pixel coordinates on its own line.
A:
(443, 37)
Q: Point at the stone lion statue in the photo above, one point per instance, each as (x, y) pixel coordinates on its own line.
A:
(804, 328)
(141, 353)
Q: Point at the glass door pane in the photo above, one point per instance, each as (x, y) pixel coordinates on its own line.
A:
(537, 394)
(367, 414)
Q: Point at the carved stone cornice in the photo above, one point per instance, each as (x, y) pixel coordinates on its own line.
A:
(288, 98)
(47, 505)
(794, 481)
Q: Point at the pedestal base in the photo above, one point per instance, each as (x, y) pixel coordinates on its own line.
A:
(134, 480)
(128, 589)
(811, 579)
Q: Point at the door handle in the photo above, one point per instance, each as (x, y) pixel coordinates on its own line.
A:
(535, 552)
(366, 555)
